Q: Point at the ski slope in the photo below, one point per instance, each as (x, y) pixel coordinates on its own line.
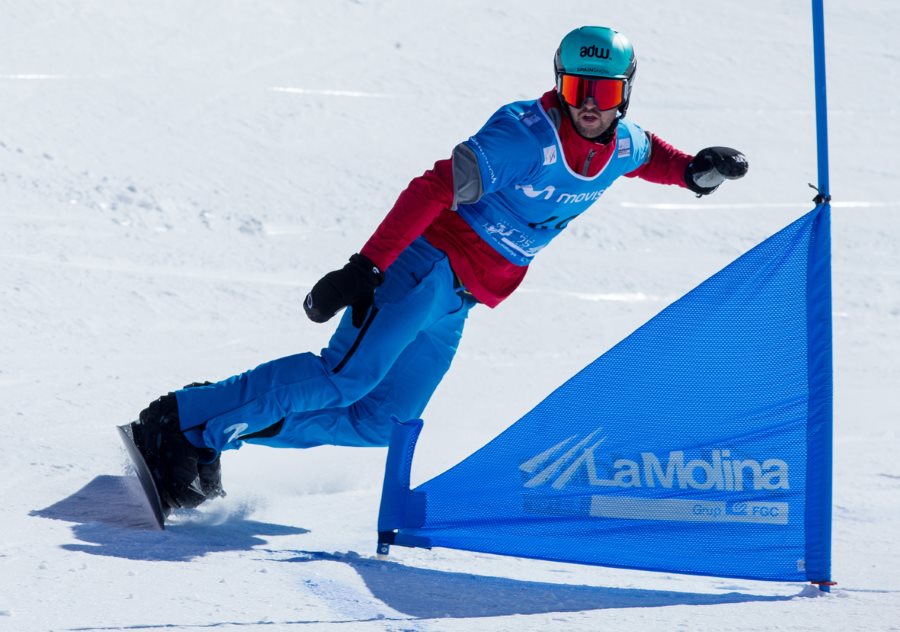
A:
(174, 176)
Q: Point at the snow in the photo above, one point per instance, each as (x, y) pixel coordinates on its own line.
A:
(175, 175)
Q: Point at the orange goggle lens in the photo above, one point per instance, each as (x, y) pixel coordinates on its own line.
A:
(606, 93)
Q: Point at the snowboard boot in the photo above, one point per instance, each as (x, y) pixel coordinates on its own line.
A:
(211, 478)
(210, 472)
(172, 459)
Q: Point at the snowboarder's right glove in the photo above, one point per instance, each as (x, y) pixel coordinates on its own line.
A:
(352, 285)
(712, 166)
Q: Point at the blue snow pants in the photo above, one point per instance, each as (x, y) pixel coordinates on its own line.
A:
(347, 396)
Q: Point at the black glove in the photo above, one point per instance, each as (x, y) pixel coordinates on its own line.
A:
(353, 285)
(712, 166)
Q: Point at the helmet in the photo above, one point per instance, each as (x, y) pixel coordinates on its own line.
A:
(597, 52)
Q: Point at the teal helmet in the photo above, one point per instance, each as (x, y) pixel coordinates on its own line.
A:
(597, 52)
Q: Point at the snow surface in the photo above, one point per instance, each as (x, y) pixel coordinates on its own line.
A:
(175, 175)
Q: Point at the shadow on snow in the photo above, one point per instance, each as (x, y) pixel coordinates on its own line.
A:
(428, 594)
(115, 520)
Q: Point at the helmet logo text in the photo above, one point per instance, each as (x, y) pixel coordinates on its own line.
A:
(593, 51)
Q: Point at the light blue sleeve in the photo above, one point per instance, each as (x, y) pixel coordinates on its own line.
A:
(640, 145)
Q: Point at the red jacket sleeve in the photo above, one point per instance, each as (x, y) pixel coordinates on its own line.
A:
(666, 164)
(415, 209)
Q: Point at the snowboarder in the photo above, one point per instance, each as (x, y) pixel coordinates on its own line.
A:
(461, 234)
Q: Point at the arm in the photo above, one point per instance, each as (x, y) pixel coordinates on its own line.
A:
(415, 209)
(480, 165)
(666, 164)
(355, 283)
(702, 173)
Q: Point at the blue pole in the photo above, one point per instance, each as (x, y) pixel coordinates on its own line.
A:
(821, 98)
(823, 258)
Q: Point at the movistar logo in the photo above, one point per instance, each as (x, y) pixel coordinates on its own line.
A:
(593, 51)
(550, 191)
(583, 460)
(531, 192)
(577, 198)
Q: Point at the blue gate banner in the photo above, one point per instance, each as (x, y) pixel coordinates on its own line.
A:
(700, 444)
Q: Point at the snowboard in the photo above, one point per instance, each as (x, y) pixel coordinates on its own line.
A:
(160, 511)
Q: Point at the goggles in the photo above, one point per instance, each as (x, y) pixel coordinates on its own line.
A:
(606, 93)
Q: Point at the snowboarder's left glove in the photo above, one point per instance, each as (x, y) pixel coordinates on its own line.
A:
(712, 166)
(352, 285)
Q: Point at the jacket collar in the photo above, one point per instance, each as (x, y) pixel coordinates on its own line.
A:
(576, 148)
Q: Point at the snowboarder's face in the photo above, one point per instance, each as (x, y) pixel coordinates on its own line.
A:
(591, 121)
